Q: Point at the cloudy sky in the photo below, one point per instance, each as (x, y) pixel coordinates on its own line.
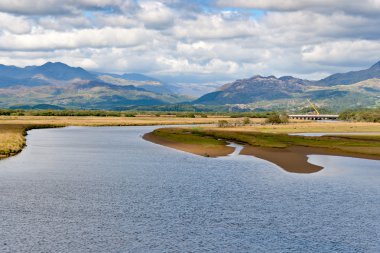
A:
(194, 41)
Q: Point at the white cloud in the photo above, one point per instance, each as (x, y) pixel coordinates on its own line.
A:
(63, 23)
(39, 7)
(90, 38)
(184, 66)
(155, 15)
(236, 51)
(14, 24)
(116, 20)
(306, 25)
(214, 27)
(364, 6)
(337, 53)
(185, 40)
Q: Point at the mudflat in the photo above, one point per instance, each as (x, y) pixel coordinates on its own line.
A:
(295, 159)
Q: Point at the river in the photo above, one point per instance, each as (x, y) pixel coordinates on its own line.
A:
(105, 189)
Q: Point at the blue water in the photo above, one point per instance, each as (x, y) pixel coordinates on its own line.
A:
(80, 189)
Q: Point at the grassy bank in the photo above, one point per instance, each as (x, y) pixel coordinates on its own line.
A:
(12, 137)
(188, 142)
(368, 145)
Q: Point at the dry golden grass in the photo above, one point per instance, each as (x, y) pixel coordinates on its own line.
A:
(11, 139)
(104, 121)
(312, 127)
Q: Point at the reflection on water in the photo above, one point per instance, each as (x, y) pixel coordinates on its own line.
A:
(348, 165)
(105, 189)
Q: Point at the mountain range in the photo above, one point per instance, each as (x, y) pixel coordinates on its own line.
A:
(57, 85)
(337, 92)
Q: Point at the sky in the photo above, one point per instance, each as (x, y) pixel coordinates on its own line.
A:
(202, 41)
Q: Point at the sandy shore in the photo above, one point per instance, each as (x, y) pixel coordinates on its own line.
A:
(292, 159)
(191, 148)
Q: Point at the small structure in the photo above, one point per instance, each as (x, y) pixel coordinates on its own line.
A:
(314, 117)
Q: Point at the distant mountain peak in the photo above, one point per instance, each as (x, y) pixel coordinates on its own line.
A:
(286, 78)
(54, 63)
(262, 77)
(62, 71)
(50, 64)
(58, 65)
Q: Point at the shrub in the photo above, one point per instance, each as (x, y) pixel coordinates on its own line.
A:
(186, 115)
(367, 115)
(223, 123)
(246, 121)
(277, 118)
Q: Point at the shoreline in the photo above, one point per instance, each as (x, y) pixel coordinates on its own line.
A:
(293, 159)
(13, 129)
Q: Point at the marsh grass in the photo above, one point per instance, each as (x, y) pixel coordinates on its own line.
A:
(369, 145)
(188, 136)
(12, 139)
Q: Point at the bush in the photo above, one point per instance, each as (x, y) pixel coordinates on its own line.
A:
(277, 118)
(366, 115)
(223, 123)
(246, 121)
(186, 115)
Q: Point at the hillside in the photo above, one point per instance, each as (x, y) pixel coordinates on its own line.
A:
(137, 80)
(339, 91)
(83, 94)
(254, 89)
(57, 84)
(37, 75)
(60, 85)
